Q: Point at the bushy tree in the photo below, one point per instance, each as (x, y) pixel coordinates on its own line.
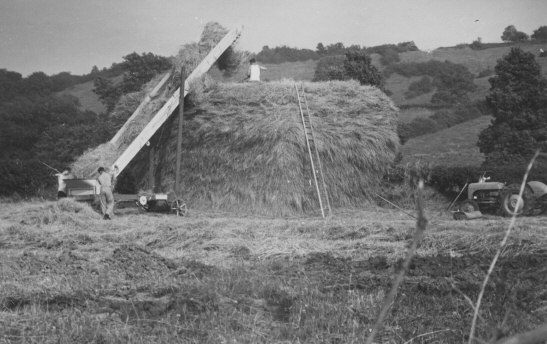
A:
(511, 34)
(517, 100)
(108, 93)
(540, 33)
(139, 69)
(285, 54)
(330, 68)
(358, 66)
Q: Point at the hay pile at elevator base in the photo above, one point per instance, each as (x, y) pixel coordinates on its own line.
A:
(244, 147)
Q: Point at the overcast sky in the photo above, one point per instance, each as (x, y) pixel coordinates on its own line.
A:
(73, 35)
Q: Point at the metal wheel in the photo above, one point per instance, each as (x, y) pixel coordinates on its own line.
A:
(512, 204)
(469, 206)
(179, 207)
(459, 216)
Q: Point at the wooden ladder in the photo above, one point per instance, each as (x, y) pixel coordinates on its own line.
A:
(315, 161)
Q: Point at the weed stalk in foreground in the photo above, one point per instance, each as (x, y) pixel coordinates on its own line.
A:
(498, 253)
(421, 225)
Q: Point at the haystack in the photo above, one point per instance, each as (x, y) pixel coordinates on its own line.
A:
(244, 147)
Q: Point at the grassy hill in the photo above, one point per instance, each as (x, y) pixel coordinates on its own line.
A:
(88, 99)
(454, 146)
(301, 70)
(475, 60)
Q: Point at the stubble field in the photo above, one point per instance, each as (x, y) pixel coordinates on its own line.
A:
(67, 276)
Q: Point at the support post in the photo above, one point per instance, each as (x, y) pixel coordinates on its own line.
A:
(179, 137)
(151, 167)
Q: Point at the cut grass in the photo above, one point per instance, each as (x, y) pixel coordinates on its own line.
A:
(207, 278)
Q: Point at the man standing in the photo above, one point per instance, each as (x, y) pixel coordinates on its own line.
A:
(253, 74)
(107, 180)
(61, 190)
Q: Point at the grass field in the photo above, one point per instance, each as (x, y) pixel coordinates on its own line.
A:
(88, 99)
(70, 277)
(408, 114)
(454, 146)
(474, 60)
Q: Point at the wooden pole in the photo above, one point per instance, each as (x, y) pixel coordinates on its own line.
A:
(151, 179)
(179, 137)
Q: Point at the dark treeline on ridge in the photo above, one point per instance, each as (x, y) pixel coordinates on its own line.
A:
(287, 54)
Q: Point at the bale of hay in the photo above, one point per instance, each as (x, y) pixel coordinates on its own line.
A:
(244, 148)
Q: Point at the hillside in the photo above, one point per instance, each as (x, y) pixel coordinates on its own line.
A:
(89, 100)
(301, 70)
(455, 146)
(475, 60)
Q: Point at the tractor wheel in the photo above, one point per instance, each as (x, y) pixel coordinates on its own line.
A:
(512, 204)
(459, 216)
(468, 206)
(542, 204)
(179, 208)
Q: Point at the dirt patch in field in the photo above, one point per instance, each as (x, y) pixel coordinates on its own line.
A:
(134, 262)
(64, 262)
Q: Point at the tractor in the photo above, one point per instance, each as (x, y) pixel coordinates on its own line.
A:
(497, 197)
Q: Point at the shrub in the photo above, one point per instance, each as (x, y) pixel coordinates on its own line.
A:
(417, 88)
(390, 56)
(477, 44)
(511, 34)
(358, 66)
(24, 177)
(485, 72)
(453, 81)
(330, 68)
(540, 33)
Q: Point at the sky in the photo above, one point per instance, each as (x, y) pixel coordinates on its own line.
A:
(56, 36)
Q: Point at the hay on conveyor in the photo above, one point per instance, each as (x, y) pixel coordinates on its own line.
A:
(189, 56)
(244, 148)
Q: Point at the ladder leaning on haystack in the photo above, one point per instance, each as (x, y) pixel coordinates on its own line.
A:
(315, 161)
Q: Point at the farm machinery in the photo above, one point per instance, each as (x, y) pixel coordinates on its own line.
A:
(88, 189)
(497, 197)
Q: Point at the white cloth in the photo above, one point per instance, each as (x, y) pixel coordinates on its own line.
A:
(254, 72)
(61, 180)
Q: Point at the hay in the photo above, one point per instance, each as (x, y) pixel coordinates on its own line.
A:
(189, 56)
(87, 164)
(244, 147)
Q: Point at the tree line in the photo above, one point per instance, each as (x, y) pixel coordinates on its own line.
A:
(284, 53)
